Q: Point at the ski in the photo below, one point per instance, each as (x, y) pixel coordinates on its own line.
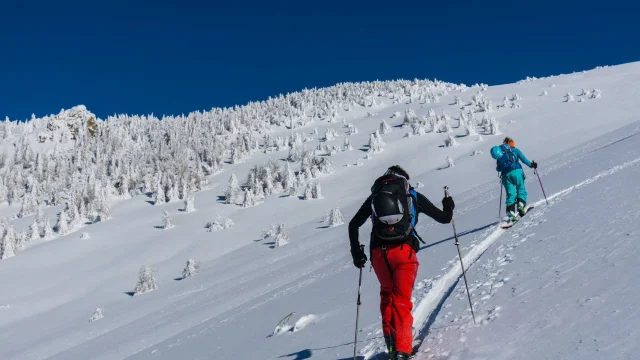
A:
(511, 223)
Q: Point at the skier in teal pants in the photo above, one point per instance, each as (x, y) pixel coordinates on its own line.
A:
(508, 158)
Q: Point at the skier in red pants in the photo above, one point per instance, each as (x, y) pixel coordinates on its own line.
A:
(394, 207)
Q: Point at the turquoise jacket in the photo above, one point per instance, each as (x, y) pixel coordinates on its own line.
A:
(519, 157)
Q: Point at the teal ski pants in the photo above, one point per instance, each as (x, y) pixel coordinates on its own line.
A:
(513, 183)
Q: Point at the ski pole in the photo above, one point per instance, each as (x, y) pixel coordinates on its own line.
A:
(500, 207)
(355, 342)
(543, 193)
(464, 273)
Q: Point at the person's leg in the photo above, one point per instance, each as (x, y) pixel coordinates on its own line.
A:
(518, 180)
(386, 288)
(404, 265)
(510, 194)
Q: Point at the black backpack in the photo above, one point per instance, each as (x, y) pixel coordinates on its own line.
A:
(393, 210)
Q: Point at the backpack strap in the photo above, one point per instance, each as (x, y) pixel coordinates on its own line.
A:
(414, 214)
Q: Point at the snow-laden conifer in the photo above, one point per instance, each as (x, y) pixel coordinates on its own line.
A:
(62, 226)
(189, 204)
(47, 231)
(385, 128)
(249, 199)
(334, 217)
(146, 280)
(7, 243)
(281, 236)
(192, 268)
(167, 223)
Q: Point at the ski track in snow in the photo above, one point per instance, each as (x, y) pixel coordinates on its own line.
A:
(444, 285)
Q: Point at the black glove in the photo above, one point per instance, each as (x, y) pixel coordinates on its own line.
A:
(534, 165)
(447, 202)
(359, 257)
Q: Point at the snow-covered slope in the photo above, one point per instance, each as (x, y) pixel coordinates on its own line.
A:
(246, 285)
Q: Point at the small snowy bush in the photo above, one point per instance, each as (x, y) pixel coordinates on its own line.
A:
(192, 268)
(516, 97)
(449, 162)
(219, 225)
(167, 223)
(419, 185)
(146, 280)
(595, 94)
(568, 97)
(97, 315)
(85, 236)
(334, 217)
(476, 152)
(544, 93)
(450, 141)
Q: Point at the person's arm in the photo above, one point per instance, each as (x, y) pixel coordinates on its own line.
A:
(358, 220)
(522, 157)
(443, 216)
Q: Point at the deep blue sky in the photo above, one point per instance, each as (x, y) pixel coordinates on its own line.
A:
(172, 57)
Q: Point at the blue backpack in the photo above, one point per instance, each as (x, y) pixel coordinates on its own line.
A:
(505, 158)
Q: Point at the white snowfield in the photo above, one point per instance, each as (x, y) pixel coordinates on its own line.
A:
(560, 284)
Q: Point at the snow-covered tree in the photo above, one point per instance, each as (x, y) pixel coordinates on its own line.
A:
(375, 143)
(47, 231)
(282, 236)
(385, 128)
(159, 195)
(231, 193)
(249, 199)
(544, 93)
(7, 243)
(568, 97)
(308, 192)
(347, 145)
(62, 227)
(85, 236)
(189, 204)
(146, 280)
(494, 126)
(595, 94)
(450, 141)
(167, 223)
(516, 97)
(419, 185)
(334, 217)
(192, 268)
(34, 230)
(316, 192)
(449, 162)
(97, 315)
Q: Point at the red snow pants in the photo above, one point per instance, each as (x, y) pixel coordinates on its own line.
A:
(396, 274)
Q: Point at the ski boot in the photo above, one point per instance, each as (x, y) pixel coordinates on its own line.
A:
(390, 347)
(511, 213)
(522, 207)
(402, 356)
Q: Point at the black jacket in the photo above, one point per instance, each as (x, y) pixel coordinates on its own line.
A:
(423, 205)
